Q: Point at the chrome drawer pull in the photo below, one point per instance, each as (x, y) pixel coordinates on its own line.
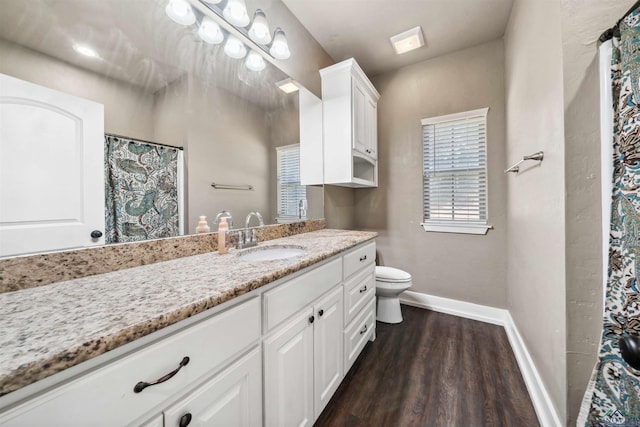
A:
(363, 258)
(363, 329)
(142, 385)
(363, 289)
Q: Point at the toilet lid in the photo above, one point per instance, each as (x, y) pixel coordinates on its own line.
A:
(390, 274)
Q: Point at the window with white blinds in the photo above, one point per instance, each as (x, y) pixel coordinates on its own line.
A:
(291, 195)
(454, 150)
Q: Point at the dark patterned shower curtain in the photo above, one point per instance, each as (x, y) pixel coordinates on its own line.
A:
(141, 190)
(613, 395)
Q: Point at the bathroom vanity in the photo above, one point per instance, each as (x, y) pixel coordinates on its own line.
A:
(228, 342)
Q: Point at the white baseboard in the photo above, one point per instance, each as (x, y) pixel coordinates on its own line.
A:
(547, 415)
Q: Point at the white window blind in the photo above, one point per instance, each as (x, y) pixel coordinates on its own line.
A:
(454, 150)
(290, 192)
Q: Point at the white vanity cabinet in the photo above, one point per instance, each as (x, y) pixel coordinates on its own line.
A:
(303, 357)
(275, 358)
(350, 136)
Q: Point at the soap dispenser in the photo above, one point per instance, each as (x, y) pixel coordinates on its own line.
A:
(223, 236)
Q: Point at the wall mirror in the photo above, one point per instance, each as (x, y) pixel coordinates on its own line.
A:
(157, 81)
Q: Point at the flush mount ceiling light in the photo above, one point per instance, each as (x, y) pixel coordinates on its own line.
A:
(180, 11)
(235, 12)
(210, 31)
(255, 62)
(279, 47)
(288, 85)
(408, 40)
(259, 31)
(85, 50)
(234, 48)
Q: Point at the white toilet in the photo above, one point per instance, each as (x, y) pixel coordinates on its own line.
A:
(390, 283)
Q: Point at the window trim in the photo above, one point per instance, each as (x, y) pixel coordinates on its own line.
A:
(452, 226)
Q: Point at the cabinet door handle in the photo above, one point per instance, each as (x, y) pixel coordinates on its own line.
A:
(311, 319)
(363, 289)
(142, 385)
(363, 329)
(320, 312)
(185, 420)
(362, 258)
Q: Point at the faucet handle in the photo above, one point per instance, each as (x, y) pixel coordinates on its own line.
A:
(240, 243)
(254, 236)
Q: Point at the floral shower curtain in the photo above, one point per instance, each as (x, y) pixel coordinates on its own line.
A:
(613, 395)
(141, 190)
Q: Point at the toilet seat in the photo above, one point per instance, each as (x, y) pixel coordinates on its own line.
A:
(391, 275)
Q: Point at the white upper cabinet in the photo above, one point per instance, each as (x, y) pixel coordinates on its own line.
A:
(350, 136)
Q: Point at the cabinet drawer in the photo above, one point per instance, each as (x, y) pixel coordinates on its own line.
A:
(106, 396)
(292, 296)
(359, 258)
(358, 290)
(358, 332)
(231, 398)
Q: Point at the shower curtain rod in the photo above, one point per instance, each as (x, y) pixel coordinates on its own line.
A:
(615, 30)
(142, 140)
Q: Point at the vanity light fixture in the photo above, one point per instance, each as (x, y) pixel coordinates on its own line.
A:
(86, 51)
(255, 62)
(235, 12)
(288, 85)
(234, 48)
(180, 11)
(210, 31)
(259, 31)
(280, 47)
(407, 40)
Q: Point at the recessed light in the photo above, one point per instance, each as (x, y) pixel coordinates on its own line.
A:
(287, 86)
(408, 40)
(85, 50)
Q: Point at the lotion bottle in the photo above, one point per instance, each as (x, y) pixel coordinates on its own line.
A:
(223, 232)
(202, 227)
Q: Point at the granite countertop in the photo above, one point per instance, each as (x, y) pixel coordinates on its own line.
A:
(51, 328)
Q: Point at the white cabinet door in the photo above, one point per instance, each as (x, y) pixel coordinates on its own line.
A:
(51, 169)
(328, 348)
(371, 123)
(288, 373)
(359, 117)
(231, 398)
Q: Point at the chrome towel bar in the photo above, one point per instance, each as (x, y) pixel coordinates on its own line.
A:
(539, 156)
(231, 186)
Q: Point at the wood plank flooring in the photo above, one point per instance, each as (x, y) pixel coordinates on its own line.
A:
(433, 370)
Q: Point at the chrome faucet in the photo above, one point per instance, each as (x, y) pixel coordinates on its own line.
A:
(227, 215)
(250, 239)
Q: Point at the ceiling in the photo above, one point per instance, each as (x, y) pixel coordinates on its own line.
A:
(361, 28)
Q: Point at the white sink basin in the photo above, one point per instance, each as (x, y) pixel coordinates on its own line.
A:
(271, 253)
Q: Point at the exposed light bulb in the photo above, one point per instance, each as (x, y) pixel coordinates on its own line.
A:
(280, 47)
(259, 30)
(85, 50)
(235, 12)
(210, 31)
(255, 62)
(234, 48)
(180, 11)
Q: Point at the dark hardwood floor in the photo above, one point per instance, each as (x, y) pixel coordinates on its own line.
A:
(433, 370)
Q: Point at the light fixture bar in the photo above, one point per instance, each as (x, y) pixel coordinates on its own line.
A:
(407, 40)
(240, 32)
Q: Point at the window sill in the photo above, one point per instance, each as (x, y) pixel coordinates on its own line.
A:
(456, 228)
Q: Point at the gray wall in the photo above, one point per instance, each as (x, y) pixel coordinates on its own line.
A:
(535, 243)
(581, 25)
(463, 267)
